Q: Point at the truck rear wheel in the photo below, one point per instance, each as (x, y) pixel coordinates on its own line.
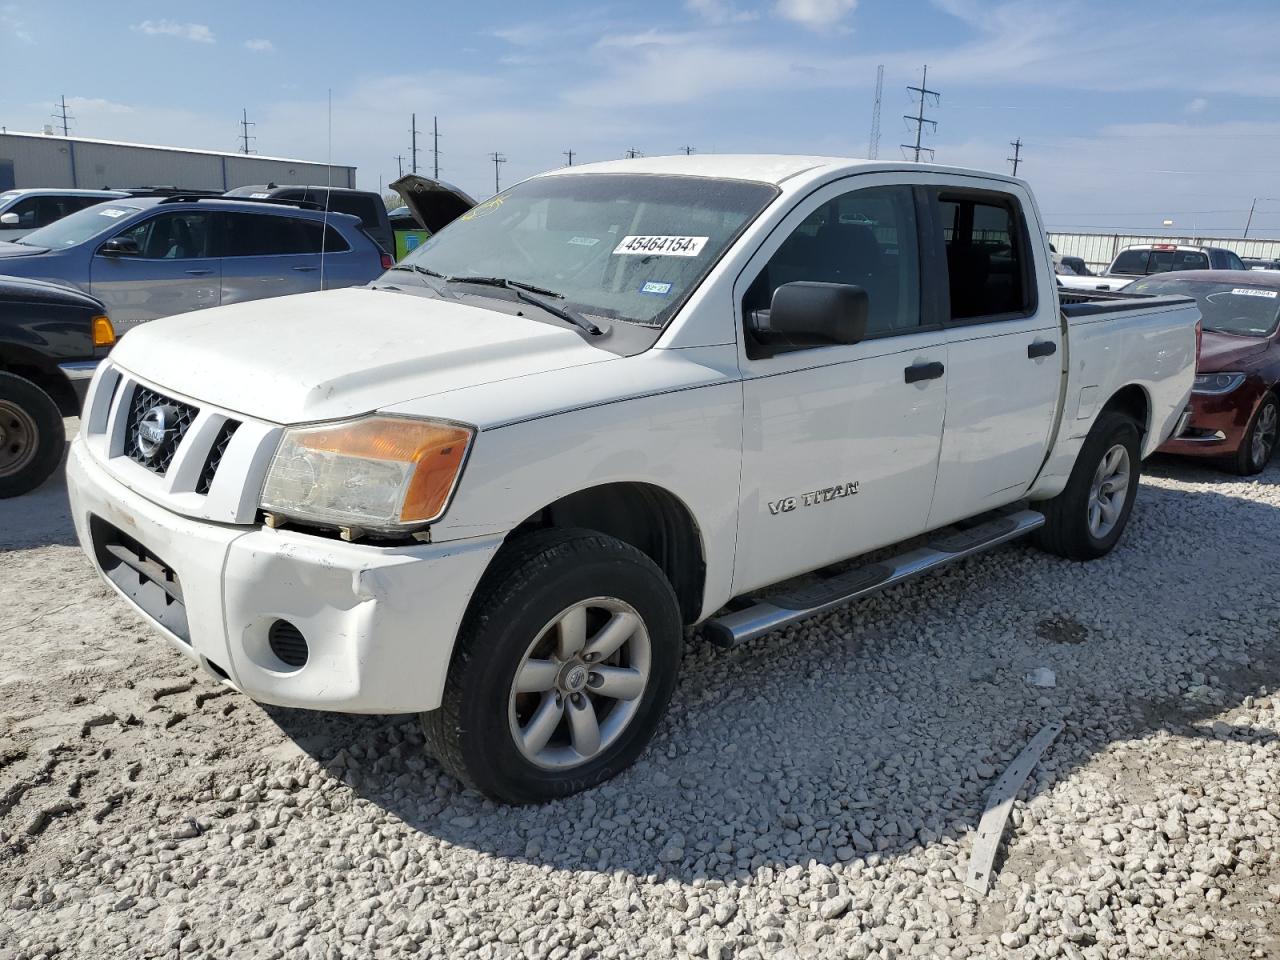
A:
(1085, 521)
(31, 435)
(562, 670)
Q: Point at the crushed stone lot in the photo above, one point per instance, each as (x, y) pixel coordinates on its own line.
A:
(812, 794)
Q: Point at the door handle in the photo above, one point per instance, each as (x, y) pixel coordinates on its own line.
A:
(1041, 348)
(923, 371)
(306, 269)
(199, 273)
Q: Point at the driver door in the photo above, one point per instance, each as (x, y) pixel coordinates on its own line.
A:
(176, 269)
(840, 443)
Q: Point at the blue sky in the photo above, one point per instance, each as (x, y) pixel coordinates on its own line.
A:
(1125, 122)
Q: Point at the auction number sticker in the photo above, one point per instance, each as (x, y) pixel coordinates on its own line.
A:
(1248, 292)
(661, 246)
(113, 213)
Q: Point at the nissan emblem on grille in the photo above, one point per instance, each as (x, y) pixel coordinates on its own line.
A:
(154, 428)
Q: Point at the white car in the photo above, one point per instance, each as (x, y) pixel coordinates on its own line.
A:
(1144, 259)
(610, 403)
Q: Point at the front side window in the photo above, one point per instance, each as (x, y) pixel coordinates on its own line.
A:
(986, 256)
(866, 238)
(182, 235)
(627, 247)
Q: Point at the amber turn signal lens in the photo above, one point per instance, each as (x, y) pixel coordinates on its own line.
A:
(104, 335)
(435, 449)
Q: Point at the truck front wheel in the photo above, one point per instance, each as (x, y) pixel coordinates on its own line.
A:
(32, 436)
(1086, 519)
(562, 670)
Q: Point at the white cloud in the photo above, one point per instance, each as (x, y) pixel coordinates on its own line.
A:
(198, 32)
(11, 24)
(260, 45)
(96, 105)
(720, 12)
(1197, 105)
(814, 13)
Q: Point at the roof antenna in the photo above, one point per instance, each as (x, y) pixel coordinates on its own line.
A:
(328, 192)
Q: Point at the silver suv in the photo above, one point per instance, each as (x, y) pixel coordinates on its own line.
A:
(149, 257)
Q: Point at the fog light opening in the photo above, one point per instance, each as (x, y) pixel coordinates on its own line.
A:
(288, 644)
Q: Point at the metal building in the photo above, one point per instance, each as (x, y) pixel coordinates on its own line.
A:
(48, 160)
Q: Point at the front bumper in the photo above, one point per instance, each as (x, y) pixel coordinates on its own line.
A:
(379, 622)
(1218, 424)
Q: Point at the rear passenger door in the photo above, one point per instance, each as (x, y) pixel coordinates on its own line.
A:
(1004, 368)
(269, 255)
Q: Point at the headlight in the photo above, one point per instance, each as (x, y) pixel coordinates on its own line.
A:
(1217, 384)
(386, 474)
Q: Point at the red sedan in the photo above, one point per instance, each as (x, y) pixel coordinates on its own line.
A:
(1235, 403)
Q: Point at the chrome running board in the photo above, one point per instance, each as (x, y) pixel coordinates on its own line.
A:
(786, 606)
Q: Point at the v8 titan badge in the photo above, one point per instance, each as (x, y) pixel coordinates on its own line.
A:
(825, 495)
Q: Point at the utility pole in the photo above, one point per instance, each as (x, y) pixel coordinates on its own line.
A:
(1248, 223)
(400, 163)
(435, 146)
(244, 131)
(919, 119)
(873, 144)
(413, 143)
(1017, 156)
(62, 116)
(498, 159)
(688, 150)
(569, 154)
(632, 153)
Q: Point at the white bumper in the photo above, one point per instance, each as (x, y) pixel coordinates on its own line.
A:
(379, 622)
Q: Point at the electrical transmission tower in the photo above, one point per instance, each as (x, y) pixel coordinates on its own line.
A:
(688, 150)
(1017, 154)
(498, 159)
(569, 154)
(632, 153)
(435, 146)
(62, 116)
(873, 145)
(413, 143)
(245, 124)
(919, 118)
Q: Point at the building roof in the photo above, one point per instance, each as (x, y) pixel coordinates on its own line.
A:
(153, 146)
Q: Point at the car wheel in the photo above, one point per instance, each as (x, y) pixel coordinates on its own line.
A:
(562, 670)
(1085, 521)
(1259, 441)
(32, 436)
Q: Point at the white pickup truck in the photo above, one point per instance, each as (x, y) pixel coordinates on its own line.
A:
(610, 403)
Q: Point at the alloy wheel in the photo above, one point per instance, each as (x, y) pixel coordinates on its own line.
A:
(1108, 491)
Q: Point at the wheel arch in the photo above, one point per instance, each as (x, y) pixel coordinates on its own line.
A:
(43, 373)
(648, 517)
(1133, 401)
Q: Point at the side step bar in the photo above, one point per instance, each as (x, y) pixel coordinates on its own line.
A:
(776, 610)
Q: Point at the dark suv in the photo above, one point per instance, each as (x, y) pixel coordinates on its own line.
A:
(364, 204)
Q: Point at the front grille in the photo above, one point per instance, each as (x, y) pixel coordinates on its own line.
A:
(141, 576)
(214, 459)
(155, 450)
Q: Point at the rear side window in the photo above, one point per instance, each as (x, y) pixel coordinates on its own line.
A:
(988, 256)
(357, 206)
(254, 235)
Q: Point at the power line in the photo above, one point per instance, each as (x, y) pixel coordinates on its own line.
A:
(1017, 155)
(244, 131)
(569, 153)
(919, 119)
(435, 146)
(62, 115)
(498, 159)
(413, 143)
(873, 144)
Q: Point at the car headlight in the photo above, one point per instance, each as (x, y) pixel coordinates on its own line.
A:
(387, 474)
(1217, 384)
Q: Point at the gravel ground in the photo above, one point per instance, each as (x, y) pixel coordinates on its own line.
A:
(813, 794)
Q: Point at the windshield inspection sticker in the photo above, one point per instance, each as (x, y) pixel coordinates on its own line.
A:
(112, 212)
(584, 241)
(1247, 292)
(661, 246)
(653, 286)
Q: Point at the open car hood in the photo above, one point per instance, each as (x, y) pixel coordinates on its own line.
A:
(434, 203)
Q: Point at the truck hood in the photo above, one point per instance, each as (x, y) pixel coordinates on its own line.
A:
(1222, 352)
(341, 353)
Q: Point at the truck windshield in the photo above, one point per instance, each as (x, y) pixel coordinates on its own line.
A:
(1240, 309)
(78, 227)
(626, 247)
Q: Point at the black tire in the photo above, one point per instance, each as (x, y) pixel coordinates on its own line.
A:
(531, 582)
(1247, 462)
(32, 436)
(1067, 531)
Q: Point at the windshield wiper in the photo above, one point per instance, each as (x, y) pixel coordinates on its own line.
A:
(414, 268)
(526, 291)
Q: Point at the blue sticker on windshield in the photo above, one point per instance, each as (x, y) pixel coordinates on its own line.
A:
(654, 287)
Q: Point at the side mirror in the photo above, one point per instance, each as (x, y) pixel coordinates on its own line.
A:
(8, 219)
(120, 247)
(810, 314)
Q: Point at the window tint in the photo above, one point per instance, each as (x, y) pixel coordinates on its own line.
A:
(183, 235)
(357, 206)
(1131, 262)
(866, 238)
(263, 235)
(1233, 261)
(36, 212)
(1164, 261)
(986, 253)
